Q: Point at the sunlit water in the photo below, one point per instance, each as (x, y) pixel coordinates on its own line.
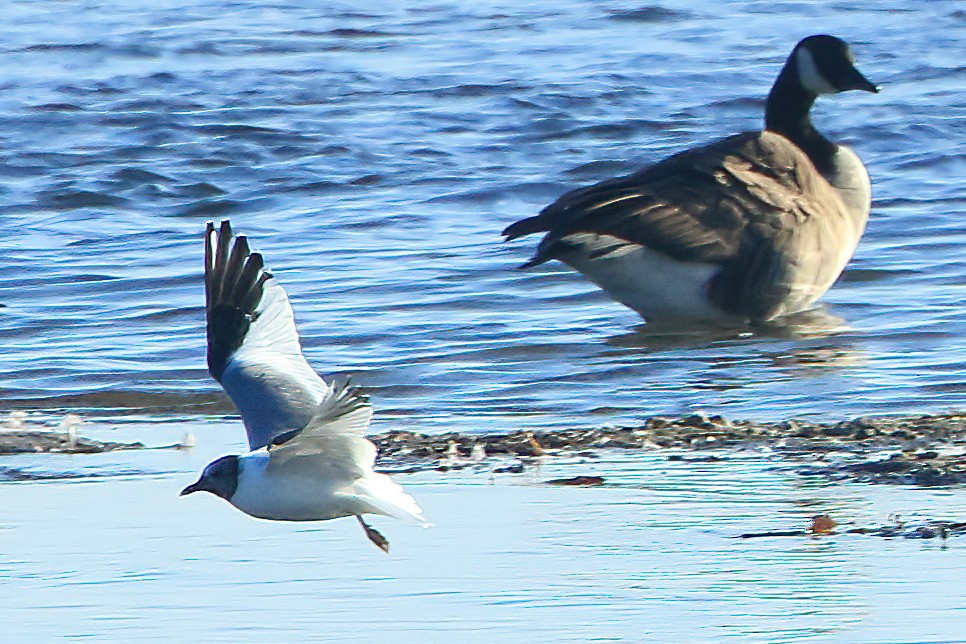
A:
(374, 152)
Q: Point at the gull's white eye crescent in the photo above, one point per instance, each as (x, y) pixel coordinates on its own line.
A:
(808, 74)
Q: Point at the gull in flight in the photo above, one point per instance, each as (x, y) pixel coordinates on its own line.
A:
(310, 459)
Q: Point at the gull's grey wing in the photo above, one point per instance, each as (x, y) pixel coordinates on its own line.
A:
(253, 347)
(335, 436)
(333, 446)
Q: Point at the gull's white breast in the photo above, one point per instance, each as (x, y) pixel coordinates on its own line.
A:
(293, 493)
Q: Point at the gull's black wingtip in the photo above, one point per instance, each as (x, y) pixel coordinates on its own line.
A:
(235, 278)
(223, 227)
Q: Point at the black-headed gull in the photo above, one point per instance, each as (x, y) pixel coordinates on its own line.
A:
(310, 458)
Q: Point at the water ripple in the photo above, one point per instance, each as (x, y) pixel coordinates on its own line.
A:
(375, 155)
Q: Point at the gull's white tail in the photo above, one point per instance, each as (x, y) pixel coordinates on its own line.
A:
(388, 498)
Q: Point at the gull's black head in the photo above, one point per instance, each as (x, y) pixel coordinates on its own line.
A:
(220, 478)
(825, 65)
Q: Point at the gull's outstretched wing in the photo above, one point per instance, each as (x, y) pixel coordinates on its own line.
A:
(334, 445)
(335, 435)
(253, 347)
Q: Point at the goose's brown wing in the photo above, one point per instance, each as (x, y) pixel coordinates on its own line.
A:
(744, 203)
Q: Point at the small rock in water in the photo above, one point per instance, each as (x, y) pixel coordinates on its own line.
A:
(578, 481)
(535, 445)
(922, 532)
(822, 524)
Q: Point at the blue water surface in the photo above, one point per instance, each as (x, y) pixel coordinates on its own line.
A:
(375, 152)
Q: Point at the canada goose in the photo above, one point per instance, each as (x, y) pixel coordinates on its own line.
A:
(749, 228)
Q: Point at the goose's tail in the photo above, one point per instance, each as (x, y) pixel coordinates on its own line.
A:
(524, 227)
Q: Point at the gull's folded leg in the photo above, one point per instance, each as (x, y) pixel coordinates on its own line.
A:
(374, 535)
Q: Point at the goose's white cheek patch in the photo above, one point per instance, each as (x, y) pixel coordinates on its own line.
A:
(808, 73)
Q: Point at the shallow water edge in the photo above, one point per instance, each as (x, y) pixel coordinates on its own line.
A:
(927, 450)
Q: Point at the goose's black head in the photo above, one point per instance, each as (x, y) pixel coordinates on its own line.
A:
(817, 65)
(220, 478)
(825, 65)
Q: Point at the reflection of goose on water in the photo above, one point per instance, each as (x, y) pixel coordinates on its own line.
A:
(747, 229)
(813, 324)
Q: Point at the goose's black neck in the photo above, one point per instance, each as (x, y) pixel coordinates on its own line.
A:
(787, 113)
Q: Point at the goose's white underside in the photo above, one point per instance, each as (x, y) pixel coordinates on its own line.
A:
(648, 281)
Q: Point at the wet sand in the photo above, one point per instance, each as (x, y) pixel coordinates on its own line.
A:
(37, 441)
(927, 450)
